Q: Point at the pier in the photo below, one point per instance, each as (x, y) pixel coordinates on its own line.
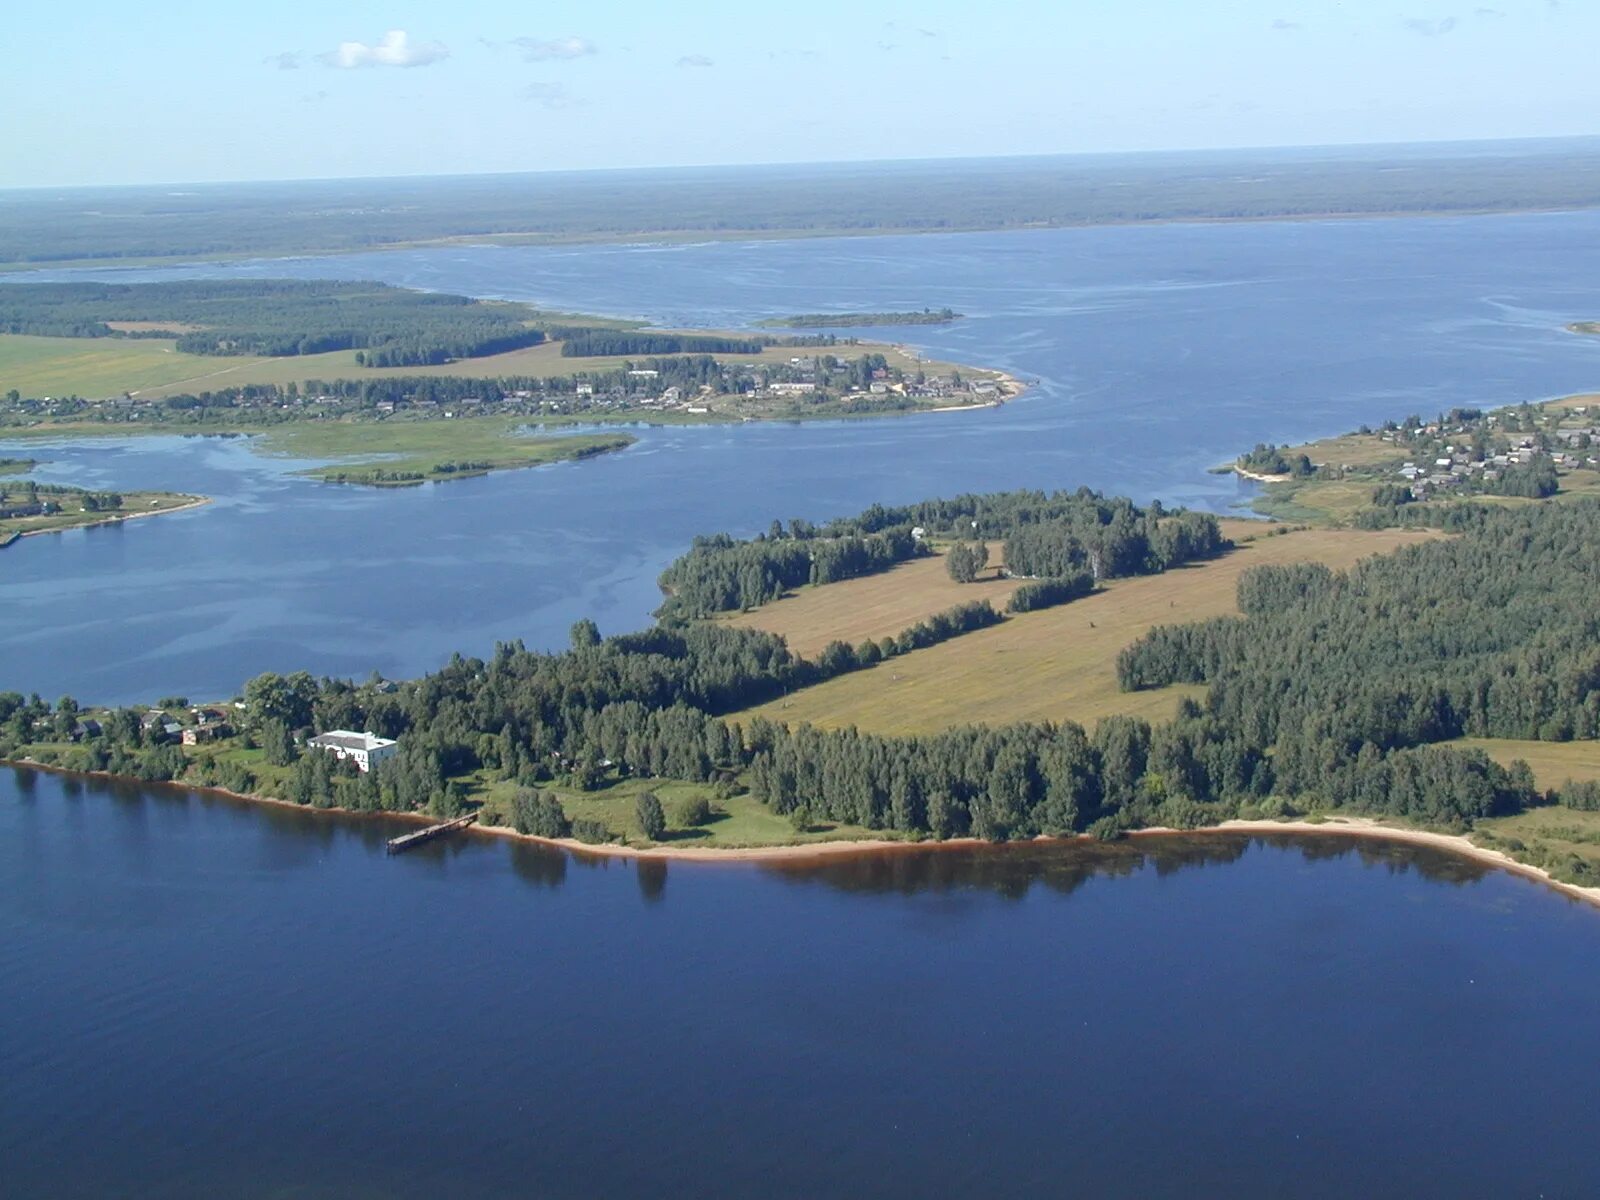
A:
(410, 841)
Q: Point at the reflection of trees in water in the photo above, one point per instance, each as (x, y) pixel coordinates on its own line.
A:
(652, 878)
(1063, 868)
(539, 865)
(1006, 870)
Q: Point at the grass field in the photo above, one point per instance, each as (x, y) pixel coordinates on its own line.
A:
(1553, 763)
(1058, 664)
(152, 368)
(421, 446)
(875, 606)
(740, 821)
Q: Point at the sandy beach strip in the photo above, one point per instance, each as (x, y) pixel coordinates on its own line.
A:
(1340, 826)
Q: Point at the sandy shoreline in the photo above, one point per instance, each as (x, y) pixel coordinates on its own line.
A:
(1342, 826)
(118, 518)
(1258, 476)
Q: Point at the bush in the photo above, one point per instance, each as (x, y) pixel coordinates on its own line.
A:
(694, 812)
(592, 832)
(1045, 593)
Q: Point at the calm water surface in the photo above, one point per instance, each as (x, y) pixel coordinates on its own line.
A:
(199, 998)
(1160, 352)
(204, 999)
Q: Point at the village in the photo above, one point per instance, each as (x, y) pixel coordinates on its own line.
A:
(682, 386)
(1525, 451)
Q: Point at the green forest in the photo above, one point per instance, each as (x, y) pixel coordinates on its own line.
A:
(390, 326)
(997, 193)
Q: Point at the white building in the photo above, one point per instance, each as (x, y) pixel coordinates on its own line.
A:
(366, 750)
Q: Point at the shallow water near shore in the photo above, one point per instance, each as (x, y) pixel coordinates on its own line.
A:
(211, 998)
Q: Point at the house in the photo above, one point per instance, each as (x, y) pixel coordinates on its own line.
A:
(195, 735)
(792, 389)
(366, 750)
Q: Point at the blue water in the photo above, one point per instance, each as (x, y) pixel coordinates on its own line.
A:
(201, 998)
(1160, 352)
(207, 999)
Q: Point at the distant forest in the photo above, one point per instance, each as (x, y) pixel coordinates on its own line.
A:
(390, 326)
(52, 225)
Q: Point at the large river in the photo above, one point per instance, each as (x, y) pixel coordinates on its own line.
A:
(205, 999)
(1160, 352)
(199, 998)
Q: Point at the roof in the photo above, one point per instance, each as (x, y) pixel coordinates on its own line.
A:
(345, 739)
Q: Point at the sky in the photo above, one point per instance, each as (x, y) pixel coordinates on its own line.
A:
(97, 93)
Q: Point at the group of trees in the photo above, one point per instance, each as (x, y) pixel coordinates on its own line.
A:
(1489, 634)
(1268, 459)
(392, 327)
(1049, 535)
(586, 342)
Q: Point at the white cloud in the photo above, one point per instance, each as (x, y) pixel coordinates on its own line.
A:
(696, 60)
(547, 49)
(393, 49)
(1281, 25)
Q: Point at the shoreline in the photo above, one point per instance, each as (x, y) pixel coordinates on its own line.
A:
(1259, 476)
(113, 519)
(1369, 828)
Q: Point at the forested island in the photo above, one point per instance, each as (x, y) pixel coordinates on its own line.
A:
(1330, 692)
(926, 316)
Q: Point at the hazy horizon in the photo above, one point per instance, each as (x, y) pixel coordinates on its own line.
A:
(307, 92)
(1342, 150)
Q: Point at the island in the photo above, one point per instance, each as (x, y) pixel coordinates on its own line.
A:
(1000, 667)
(847, 320)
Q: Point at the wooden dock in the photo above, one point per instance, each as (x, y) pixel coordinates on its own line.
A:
(410, 841)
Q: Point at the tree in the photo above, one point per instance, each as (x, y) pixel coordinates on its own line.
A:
(539, 814)
(647, 812)
(965, 560)
(585, 634)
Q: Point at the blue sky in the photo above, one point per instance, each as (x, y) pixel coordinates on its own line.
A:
(163, 92)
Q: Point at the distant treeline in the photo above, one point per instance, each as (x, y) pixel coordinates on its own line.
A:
(391, 327)
(601, 343)
(1055, 535)
(46, 225)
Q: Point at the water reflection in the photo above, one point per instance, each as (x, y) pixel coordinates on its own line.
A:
(1012, 870)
